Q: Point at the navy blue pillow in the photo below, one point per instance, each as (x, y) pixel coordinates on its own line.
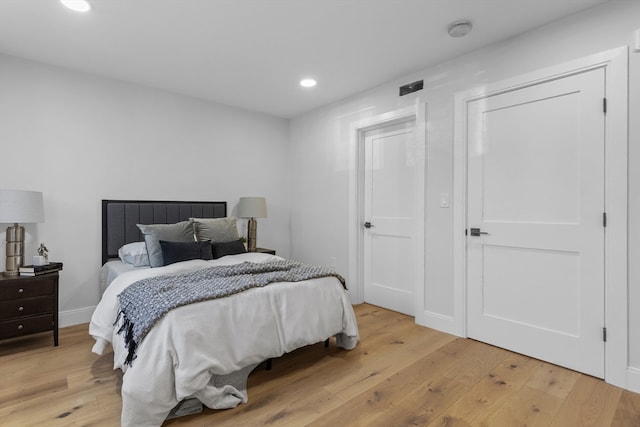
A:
(173, 252)
(233, 247)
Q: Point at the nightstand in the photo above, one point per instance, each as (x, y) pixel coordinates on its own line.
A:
(29, 305)
(266, 251)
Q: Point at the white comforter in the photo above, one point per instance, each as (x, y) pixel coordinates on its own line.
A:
(188, 350)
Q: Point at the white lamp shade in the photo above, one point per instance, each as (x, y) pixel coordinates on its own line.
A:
(18, 206)
(252, 207)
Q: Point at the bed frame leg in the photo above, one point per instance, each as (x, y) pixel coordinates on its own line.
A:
(326, 343)
(268, 367)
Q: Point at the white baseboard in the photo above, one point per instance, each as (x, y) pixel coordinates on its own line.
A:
(440, 322)
(75, 317)
(633, 379)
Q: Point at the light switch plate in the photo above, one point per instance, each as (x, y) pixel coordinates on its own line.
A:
(444, 200)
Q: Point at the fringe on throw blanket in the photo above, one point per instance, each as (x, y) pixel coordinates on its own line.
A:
(130, 343)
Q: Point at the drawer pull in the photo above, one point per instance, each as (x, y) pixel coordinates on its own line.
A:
(21, 308)
(20, 327)
(20, 290)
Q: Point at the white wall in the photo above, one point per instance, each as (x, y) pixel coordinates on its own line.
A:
(319, 147)
(80, 138)
(69, 131)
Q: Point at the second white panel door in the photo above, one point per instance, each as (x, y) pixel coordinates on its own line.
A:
(389, 253)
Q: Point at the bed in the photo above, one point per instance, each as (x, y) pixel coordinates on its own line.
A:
(206, 349)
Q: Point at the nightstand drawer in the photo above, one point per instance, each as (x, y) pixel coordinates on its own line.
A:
(26, 289)
(26, 326)
(26, 307)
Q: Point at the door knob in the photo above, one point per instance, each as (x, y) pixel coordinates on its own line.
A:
(367, 225)
(477, 232)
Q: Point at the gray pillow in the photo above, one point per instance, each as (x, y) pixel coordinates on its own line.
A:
(216, 229)
(153, 233)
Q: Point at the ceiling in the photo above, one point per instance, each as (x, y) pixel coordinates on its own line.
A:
(252, 53)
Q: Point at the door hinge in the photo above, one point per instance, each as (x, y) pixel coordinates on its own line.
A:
(466, 232)
(604, 334)
(604, 105)
(604, 219)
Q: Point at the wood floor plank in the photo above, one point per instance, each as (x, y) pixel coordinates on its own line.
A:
(384, 361)
(400, 374)
(31, 388)
(58, 409)
(365, 408)
(553, 380)
(476, 361)
(529, 407)
(628, 411)
(295, 409)
(490, 392)
(423, 405)
(591, 402)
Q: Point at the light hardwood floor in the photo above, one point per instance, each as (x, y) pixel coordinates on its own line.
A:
(400, 374)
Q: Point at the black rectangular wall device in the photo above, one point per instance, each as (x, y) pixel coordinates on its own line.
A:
(411, 87)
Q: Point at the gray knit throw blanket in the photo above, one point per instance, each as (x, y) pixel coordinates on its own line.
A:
(144, 302)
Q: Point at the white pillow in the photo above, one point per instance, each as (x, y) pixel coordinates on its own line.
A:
(135, 254)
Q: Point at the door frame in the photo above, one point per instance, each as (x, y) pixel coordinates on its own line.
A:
(614, 62)
(357, 130)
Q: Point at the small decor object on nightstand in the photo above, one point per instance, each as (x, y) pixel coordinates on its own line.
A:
(43, 256)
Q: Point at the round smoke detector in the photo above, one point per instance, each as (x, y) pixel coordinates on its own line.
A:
(459, 28)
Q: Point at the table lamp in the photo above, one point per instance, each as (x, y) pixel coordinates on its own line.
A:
(252, 208)
(18, 206)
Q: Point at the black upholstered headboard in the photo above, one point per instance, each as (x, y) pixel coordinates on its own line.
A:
(119, 219)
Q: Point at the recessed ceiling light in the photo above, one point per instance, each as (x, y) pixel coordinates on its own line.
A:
(459, 28)
(308, 82)
(77, 5)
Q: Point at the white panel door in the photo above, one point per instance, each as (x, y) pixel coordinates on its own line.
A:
(535, 280)
(389, 253)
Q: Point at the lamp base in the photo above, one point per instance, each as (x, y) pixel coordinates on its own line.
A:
(14, 250)
(252, 227)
